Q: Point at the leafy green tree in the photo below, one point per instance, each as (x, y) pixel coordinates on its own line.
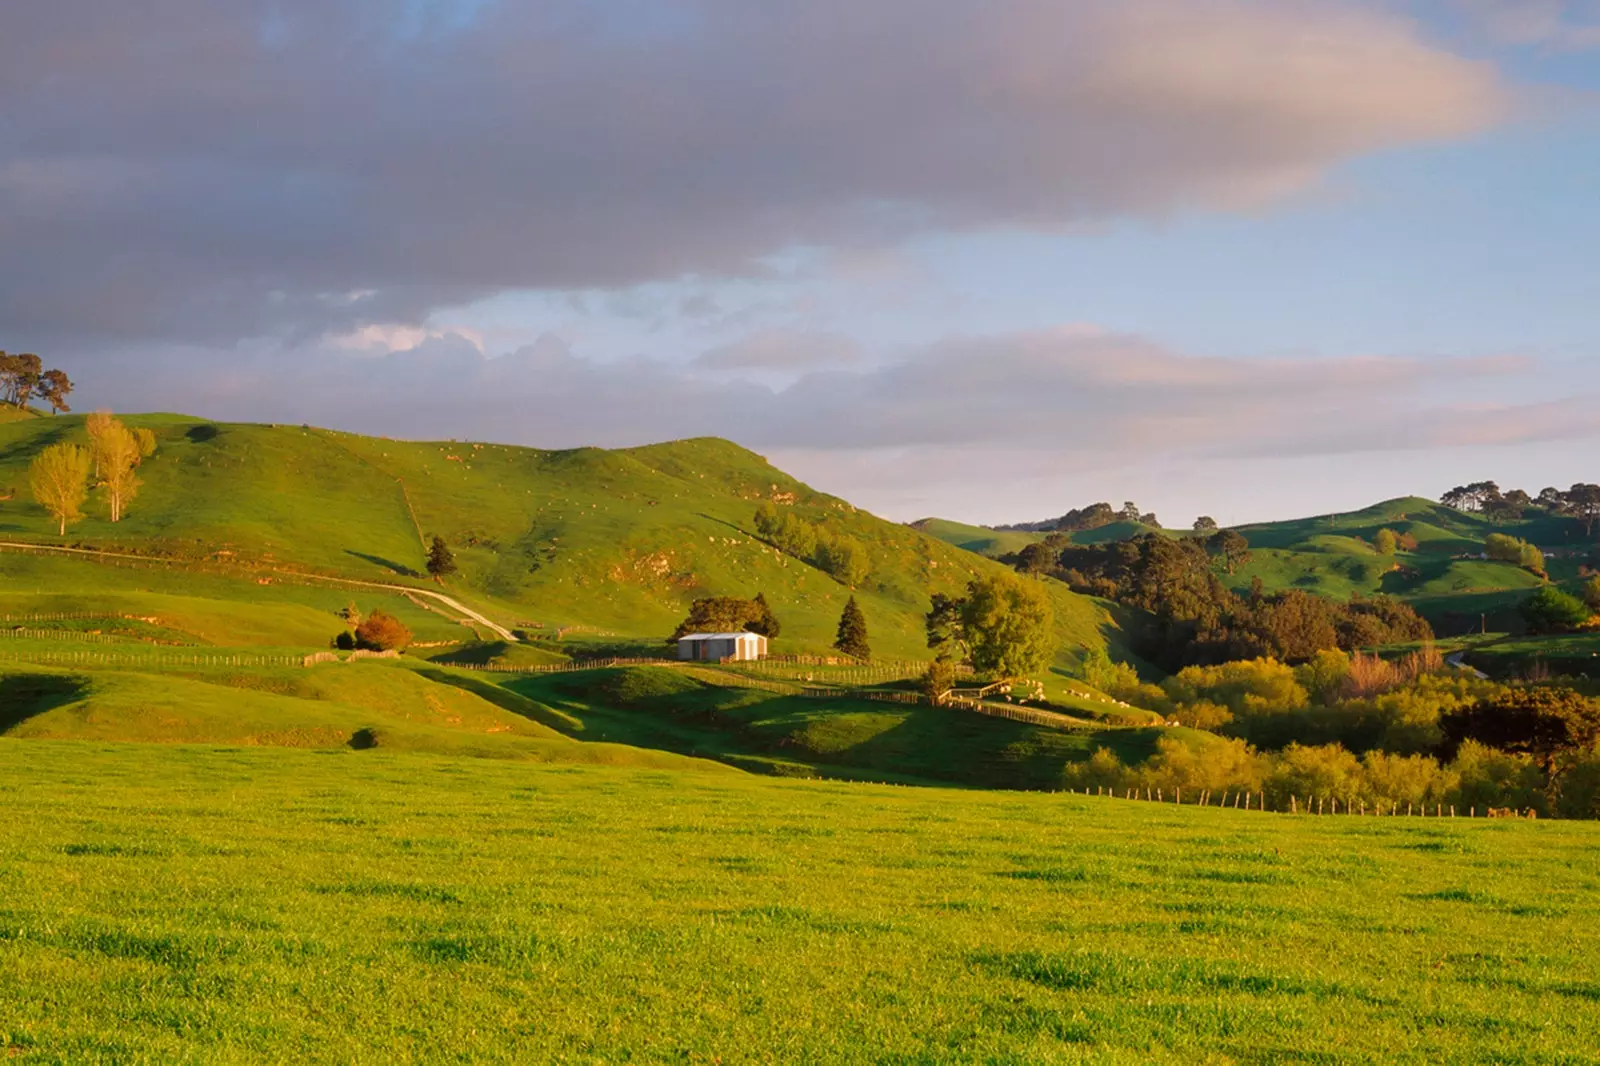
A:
(939, 679)
(1386, 542)
(843, 559)
(1009, 625)
(852, 635)
(767, 521)
(1591, 593)
(441, 560)
(119, 456)
(1542, 722)
(724, 614)
(947, 630)
(1205, 525)
(59, 478)
(1231, 548)
(765, 621)
(1552, 611)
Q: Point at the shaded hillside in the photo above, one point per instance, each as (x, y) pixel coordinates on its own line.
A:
(615, 542)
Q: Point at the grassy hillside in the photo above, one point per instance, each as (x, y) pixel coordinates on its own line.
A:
(1333, 555)
(198, 905)
(996, 542)
(612, 542)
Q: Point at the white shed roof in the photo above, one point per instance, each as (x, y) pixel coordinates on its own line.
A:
(718, 636)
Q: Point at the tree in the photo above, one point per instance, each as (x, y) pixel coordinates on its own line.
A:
(1006, 624)
(1037, 559)
(19, 378)
(1591, 594)
(382, 631)
(1505, 549)
(1552, 611)
(844, 559)
(852, 636)
(765, 622)
(1130, 512)
(1205, 525)
(724, 614)
(55, 387)
(119, 456)
(147, 442)
(1541, 722)
(1583, 503)
(98, 425)
(947, 631)
(22, 377)
(939, 679)
(59, 478)
(1386, 542)
(441, 560)
(1231, 548)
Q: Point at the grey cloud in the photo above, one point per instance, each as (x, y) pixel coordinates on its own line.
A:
(209, 170)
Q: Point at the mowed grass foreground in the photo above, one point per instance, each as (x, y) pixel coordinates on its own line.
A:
(189, 904)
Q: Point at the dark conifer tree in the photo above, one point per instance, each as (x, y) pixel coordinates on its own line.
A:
(441, 560)
(852, 638)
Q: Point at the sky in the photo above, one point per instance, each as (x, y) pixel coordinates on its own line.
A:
(982, 259)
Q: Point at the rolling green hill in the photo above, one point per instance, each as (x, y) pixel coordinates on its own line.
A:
(598, 542)
(997, 542)
(1333, 555)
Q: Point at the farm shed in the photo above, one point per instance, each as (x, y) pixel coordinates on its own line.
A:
(714, 647)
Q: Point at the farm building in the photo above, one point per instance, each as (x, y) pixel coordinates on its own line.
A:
(714, 647)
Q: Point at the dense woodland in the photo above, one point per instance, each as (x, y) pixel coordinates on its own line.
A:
(1196, 619)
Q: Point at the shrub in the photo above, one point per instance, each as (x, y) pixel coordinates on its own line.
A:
(1248, 688)
(1591, 594)
(1325, 772)
(1552, 611)
(1386, 542)
(1323, 676)
(1217, 765)
(381, 631)
(939, 679)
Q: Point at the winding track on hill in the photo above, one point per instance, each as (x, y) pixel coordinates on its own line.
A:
(439, 597)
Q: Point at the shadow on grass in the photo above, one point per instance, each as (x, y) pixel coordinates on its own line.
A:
(387, 564)
(23, 696)
(507, 700)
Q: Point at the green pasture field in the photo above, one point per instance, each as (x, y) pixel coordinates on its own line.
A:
(163, 904)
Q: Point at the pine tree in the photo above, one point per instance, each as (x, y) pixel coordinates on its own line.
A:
(852, 638)
(441, 560)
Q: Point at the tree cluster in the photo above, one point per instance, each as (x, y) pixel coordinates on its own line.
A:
(23, 377)
(1084, 519)
(1198, 619)
(1581, 502)
(841, 557)
(1501, 548)
(729, 614)
(61, 475)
